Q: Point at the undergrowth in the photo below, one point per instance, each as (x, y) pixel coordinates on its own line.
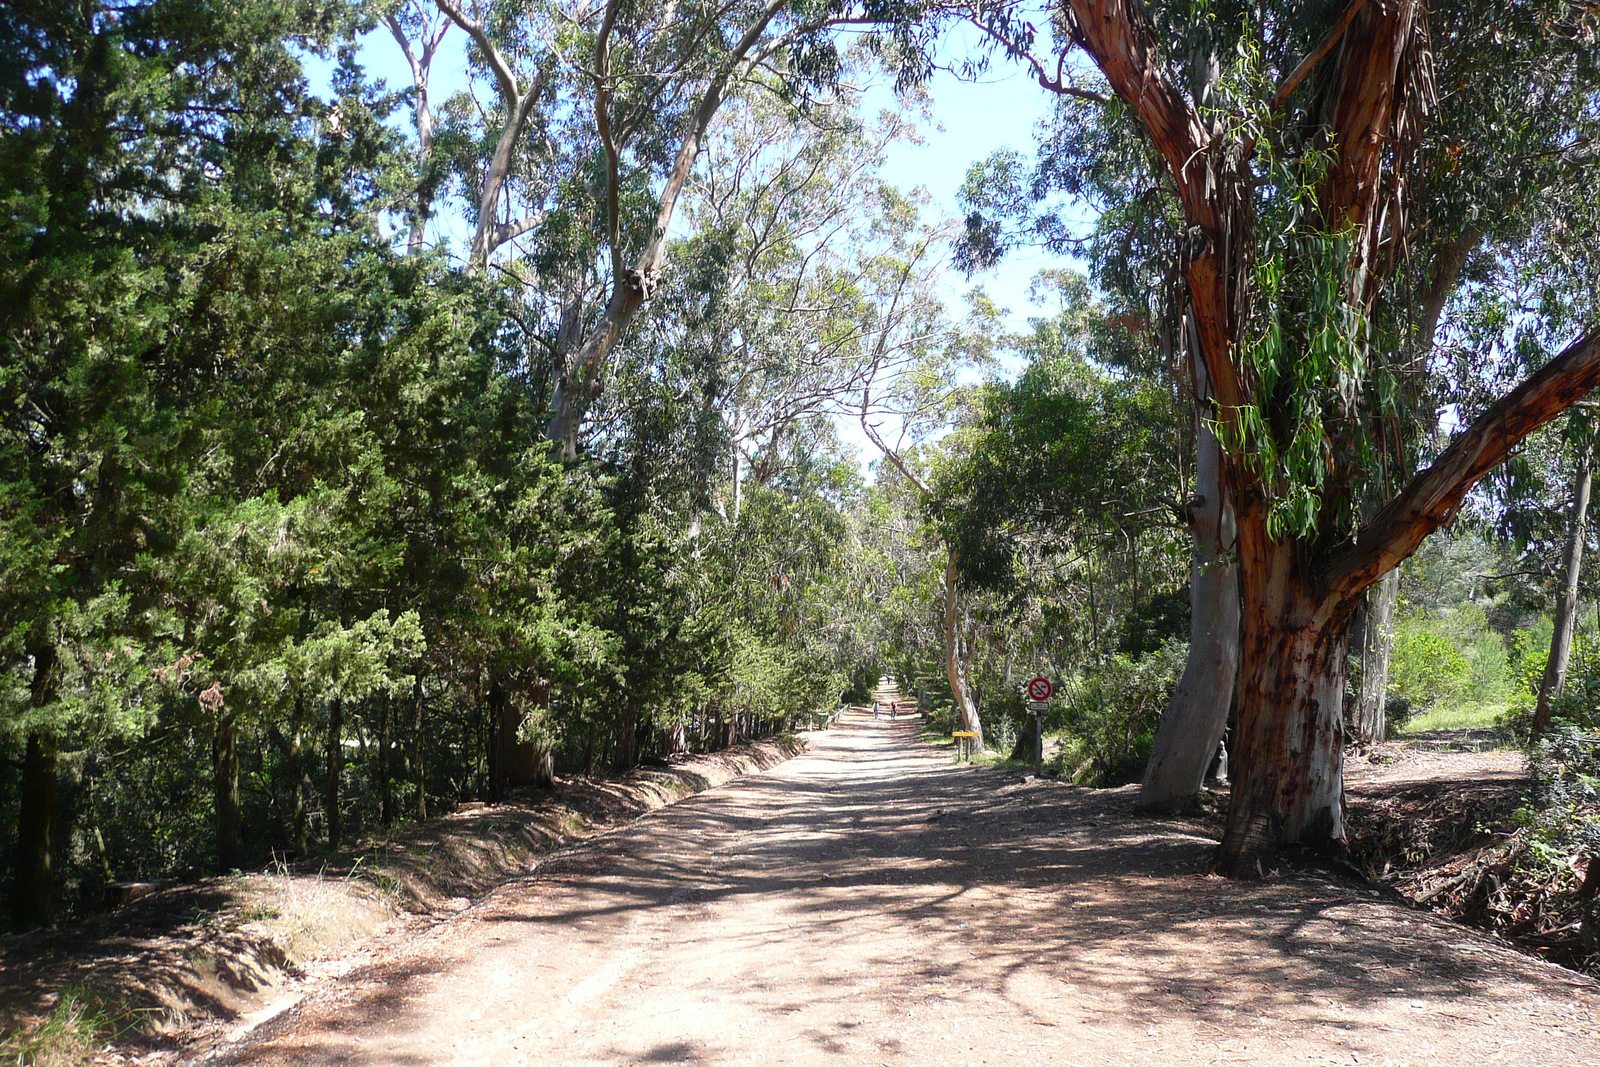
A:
(78, 1026)
(1530, 874)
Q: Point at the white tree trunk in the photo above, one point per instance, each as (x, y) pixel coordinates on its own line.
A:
(954, 661)
(1372, 634)
(1193, 724)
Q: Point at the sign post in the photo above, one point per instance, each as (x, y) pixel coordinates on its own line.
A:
(1039, 693)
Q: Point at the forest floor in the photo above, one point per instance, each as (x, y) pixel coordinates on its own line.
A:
(870, 902)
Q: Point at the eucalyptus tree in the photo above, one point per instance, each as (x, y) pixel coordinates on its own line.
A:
(794, 233)
(419, 29)
(905, 325)
(604, 109)
(1291, 145)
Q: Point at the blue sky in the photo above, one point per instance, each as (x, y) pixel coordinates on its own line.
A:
(970, 120)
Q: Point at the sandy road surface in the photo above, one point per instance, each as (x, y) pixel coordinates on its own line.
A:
(870, 903)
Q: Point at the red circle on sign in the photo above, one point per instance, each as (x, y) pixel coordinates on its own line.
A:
(1040, 689)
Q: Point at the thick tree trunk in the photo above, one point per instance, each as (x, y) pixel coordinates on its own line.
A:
(1197, 716)
(1288, 782)
(1555, 668)
(954, 665)
(1372, 634)
(33, 892)
(1298, 597)
(229, 825)
(331, 798)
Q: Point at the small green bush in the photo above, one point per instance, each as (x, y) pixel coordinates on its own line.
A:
(1113, 710)
(1397, 711)
(1425, 668)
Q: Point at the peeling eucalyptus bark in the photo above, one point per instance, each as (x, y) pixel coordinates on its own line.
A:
(1299, 590)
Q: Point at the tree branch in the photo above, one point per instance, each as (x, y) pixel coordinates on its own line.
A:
(1055, 84)
(1117, 37)
(1309, 63)
(602, 125)
(491, 54)
(1434, 495)
(892, 455)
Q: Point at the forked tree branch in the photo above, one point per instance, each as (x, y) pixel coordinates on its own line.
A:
(480, 37)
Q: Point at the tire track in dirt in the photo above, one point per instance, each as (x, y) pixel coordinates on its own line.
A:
(869, 902)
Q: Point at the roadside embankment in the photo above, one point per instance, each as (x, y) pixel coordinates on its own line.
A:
(222, 948)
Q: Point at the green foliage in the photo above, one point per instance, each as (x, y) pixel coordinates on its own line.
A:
(1425, 668)
(1562, 816)
(1113, 709)
(267, 479)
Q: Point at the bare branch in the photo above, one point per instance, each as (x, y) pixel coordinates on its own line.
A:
(1056, 83)
(602, 123)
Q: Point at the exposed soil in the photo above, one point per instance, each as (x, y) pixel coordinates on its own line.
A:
(871, 902)
(240, 948)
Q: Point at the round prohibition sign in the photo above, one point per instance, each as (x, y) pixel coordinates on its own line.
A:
(1040, 689)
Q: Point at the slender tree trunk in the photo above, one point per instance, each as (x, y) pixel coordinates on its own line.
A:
(954, 666)
(496, 748)
(225, 796)
(418, 766)
(1372, 634)
(1197, 716)
(385, 787)
(335, 764)
(1555, 668)
(420, 61)
(738, 481)
(33, 892)
(1372, 630)
(581, 381)
(298, 777)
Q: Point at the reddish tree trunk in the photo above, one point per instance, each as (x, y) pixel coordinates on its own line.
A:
(1289, 747)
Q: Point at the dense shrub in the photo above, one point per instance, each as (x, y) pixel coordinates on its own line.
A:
(1112, 710)
(1425, 668)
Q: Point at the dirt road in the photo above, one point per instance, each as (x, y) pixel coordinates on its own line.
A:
(871, 903)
